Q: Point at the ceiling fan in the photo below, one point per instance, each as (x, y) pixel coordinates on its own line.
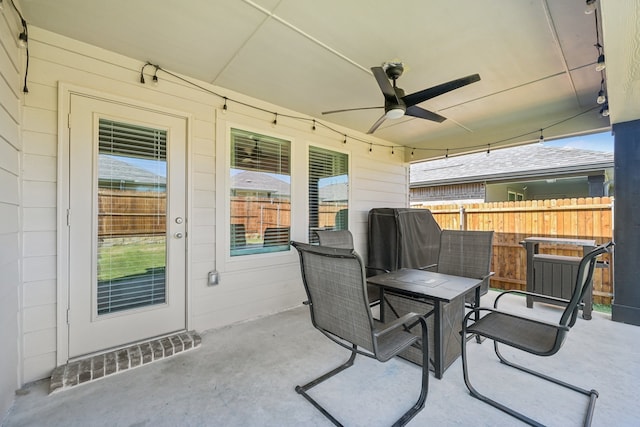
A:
(397, 104)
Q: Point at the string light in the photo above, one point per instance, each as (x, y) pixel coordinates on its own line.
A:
(154, 79)
(600, 65)
(314, 125)
(446, 155)
(604, 111)
(23, 41)
(392, 151)
(541, 139)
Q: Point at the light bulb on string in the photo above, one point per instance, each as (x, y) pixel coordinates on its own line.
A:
(313, 127)
(345, 139)
(154, 79)
(601, 65)
(541, 139)
(275, 120)
(224, 107)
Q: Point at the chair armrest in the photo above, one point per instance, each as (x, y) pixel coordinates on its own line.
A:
(486, 276)
(494, 310)
(401, 321)
(377, 268)
(515, 291)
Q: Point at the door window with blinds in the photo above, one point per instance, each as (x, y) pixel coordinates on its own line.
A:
(328, 191)
(260, 191)
(132, 195)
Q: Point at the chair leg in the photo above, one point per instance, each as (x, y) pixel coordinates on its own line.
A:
(303, 389)
(407, 416)
(424, 390)
(593, 395)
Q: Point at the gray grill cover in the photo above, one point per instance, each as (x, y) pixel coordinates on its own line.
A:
(402, 238)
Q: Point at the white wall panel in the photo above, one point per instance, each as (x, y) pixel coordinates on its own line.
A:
(10, 145)
(39, 219)
(38, 168)
(269, 285)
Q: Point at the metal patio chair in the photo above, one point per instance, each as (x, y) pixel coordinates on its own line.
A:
(531, 335)
(466, 253)
(335, 282)
(343, 239)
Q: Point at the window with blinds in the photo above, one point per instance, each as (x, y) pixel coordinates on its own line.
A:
(260, 174)
(328, 191)
(132, 165)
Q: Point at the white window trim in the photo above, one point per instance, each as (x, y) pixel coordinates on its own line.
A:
(224, 261)
(349, 155)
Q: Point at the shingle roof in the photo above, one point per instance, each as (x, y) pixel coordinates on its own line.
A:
(112, 168)
(527, 161)
(249, 180)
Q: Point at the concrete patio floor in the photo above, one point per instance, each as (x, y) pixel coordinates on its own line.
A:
(245, 374)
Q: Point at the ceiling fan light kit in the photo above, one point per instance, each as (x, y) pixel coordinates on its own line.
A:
(397, 104)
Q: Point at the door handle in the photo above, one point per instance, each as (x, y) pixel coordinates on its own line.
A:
(178, 235)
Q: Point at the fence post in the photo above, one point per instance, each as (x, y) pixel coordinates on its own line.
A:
(463, 226)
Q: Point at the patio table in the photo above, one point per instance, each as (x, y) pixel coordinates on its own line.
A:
(439, 297)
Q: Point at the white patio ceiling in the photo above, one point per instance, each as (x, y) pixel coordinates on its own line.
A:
(536, 58)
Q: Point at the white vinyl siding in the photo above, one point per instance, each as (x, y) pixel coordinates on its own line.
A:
(260, 288)
(10, 152)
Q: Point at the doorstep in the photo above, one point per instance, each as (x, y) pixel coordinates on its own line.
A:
(117, 361)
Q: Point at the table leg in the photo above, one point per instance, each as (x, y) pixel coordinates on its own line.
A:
(438, 352)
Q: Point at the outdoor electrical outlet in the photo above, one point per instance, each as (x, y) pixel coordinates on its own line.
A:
(213, 278)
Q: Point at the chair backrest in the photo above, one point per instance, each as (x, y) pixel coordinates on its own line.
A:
(335, 283)
(465, 253)
(335, 238)
(238, 236)
(583, 283)
(276, 236)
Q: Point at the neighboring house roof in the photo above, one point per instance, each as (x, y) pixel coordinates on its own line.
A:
(258, 181)
(523, 162)
(111, 169)
(334, 192)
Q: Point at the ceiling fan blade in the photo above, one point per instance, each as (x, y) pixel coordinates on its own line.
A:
(432, 92)
(415, 111)
(384, 83)
(351, 109)
(376, 125)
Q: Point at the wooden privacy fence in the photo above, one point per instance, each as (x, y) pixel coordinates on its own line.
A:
(259, 213)
(512, 222)
(131, 213)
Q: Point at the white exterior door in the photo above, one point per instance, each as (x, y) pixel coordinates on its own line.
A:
(126, 223)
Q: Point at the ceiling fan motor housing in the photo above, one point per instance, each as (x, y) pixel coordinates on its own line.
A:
(393, 69)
